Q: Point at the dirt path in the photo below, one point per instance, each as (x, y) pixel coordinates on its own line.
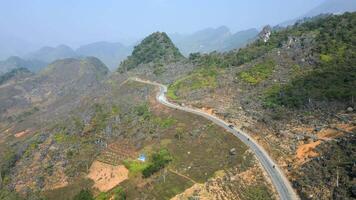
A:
(182, 175)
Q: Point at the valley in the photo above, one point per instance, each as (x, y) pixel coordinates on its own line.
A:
(272, 119)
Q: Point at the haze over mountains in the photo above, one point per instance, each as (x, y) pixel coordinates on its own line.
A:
(329, 6)
(219, 39)
(74, 130)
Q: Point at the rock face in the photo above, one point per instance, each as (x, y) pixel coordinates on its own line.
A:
(265, 33)
(157, 48)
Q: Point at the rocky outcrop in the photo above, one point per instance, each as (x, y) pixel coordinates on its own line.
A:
(265, 33)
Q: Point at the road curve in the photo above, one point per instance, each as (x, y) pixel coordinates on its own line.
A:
(280, 182)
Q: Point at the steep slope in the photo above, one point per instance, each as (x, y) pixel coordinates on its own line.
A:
(15, 75)
(92, 141)
(61, 83)
(14, 62)
(157, 48)
(294, 93)
(208, 40)
(50, 54)
(110, 53)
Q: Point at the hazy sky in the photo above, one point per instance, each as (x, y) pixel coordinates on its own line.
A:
(74, 22)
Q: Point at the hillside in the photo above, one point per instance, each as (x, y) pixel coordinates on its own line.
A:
(73, 130)
(76, 131)
(157, 48)
(294, 94)
(60, 83)
(14, 62)
(15, 74)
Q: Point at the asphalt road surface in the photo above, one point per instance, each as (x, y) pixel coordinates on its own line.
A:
(280, 182)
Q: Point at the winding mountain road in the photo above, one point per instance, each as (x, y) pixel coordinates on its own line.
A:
(280, 182)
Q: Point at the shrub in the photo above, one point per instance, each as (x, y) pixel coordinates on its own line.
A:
(258, 73)
(158, 161)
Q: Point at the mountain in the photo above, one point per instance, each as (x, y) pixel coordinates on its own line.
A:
(110, 53)
(14, 62)
(327, 7)
(239, 39)
(210, 39)
(50, 54)
(293, 90)
(61, 83)
(15, 74)
(154, 49)
(332, 7)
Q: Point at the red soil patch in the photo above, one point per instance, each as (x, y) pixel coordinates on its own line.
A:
(22, 133)
(306, 151)
(107, 176)
(210, 111)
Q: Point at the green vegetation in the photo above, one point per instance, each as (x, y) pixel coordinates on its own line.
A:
(7, 76)
(159, 69)
(260, 192)
(258, 73)
(23, 115)
(84, 195)
(201, 78)
(135, 166)
(99, 121)
(334, 78)
(165, 122)
(76, 189)
(157, 49)
(173, 185)
(157, 161)
(142, 111)
(115, 194)
(337, 159)
(7, 162)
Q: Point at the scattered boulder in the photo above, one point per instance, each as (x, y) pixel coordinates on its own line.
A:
(349, 109)
(233, 151)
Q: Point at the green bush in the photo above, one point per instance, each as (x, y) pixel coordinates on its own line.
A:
(158, 161)
(258, 73)
(201, 78)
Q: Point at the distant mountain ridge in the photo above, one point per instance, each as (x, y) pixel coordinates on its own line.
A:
(111, 53)
(50, 54)
(213, 39)
(327, 7)
(15, 62)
